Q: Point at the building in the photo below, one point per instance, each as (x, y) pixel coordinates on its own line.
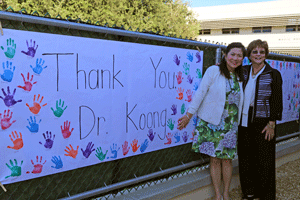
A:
(277, 22)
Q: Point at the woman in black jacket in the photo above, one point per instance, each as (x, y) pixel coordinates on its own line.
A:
(256, 135)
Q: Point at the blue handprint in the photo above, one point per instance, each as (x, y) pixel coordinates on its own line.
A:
(39, 66)
(114, 150)
(195, 121)
(190, 56)
(144, 145)
(34, 127)
(11, 48)
(9, 98)
(177, 137)
(89, 149)
(48, 140)
(57, 161)
(174, 109)
(196, 86)
(198, 56)
(8, 71)
(31, 49)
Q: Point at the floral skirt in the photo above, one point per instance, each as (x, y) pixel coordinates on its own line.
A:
(218, 141)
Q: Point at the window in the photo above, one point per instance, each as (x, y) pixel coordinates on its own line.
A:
(267, 29)
(204, 32)
(264, 29)
(291, 28)
(230, 30)
(256, 30)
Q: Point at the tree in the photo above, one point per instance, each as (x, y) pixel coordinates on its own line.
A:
(164, 16)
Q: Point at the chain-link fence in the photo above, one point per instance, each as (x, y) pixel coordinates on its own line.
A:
(124, 175)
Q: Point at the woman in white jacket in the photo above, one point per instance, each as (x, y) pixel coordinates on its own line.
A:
(218, 105)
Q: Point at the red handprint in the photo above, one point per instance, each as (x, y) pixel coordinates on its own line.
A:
(18, 141)
(27, 84)
(179, 77)
(125, 148)
(35, 109)
(5, 121)
(38, 167)
(169, 138)
(180, 93)
(193, 134)
(189, 94)
(134, 145)
(66, 131)
(71, 152)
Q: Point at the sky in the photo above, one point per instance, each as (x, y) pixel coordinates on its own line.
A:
(203, 3)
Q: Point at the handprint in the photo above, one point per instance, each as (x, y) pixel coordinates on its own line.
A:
(5, 121)
(48, 140)
(100, 154)
(198, 56)
(199, 74)
(151, 135)
(114, 150)
(15, 169)
(179, 77)
(38, 167)
(11, 48)
(8, 71)
(31, 49)
(134, 145)
(185, 136)
(186, 68)
(66, 131)
(34, 127)
(189, 94)
(190, 79)
(174, 109)
(35, 109)
(59, 108)
(195, 121)
(169, 138)
(27, 84)
(144, 146)
(196, 86)
(190, 56)
(176, 60)
(180, 93)
(17, 141)
(182, 108)
(125, 148)
(171, 124)
(38, 66)
(193, 134)
(71, 152)
(9, 98)
(88, 150)
(177, 137)
(57, 161)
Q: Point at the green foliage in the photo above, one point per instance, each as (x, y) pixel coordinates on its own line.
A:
(164, 16)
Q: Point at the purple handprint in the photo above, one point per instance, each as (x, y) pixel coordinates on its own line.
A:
(48, 140)
(185, 136)
(198, 57)
(174, 109)
(31, 49)
(190, 79)
(9, 98)
(88, 150)
(151, 135)
(176, 60)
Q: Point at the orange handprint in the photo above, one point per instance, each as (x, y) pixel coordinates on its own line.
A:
(134, 145)
(180, 93)
(35, 109)
(71, 152)
(18, 141)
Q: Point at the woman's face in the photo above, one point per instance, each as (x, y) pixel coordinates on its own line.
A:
(258, 55)
(234, 58)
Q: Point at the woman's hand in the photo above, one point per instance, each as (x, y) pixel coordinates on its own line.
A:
(184, 121)
(269, 131)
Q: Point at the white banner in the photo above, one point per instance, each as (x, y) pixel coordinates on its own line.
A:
(68, 102)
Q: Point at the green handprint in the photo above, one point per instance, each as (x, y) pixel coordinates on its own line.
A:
(11, 48)
(15, 169)
(171, 124)
(100, 154)
(182, 108)
(59, 108)
(199, 75)
(186, 68)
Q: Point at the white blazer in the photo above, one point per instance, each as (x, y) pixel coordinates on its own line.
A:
(209, 99)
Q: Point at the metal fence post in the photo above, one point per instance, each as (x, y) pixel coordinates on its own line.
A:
(218, 55)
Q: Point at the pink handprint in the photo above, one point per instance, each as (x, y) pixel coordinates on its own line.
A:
(134, 145)
(169, 138)
(125, 148)
(27, 84)
(38, 167)
(179, 77)
(189, 94)
(5, 121)
(35, 109)
(180, 93)
(66, 131)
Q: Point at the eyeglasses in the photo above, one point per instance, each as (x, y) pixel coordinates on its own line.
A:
(256, 52)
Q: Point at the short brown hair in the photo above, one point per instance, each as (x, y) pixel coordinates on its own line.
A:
(257, 43)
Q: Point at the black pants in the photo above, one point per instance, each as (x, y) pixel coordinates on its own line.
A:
(256, 161)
